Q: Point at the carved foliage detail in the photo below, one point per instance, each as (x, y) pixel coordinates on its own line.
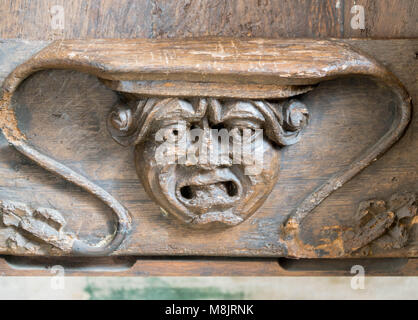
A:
(385, 224)
(33, 228)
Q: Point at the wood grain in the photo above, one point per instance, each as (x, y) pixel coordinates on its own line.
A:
(25, 19)
(68, 100)
(384, 19)
(203, 266)
(31, 20)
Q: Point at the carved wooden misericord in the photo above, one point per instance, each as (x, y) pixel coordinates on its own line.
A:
(280, 101)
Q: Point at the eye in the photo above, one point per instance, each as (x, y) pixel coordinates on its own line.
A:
(245, 130)
(248, 133)
(172, 132)
(175, 132)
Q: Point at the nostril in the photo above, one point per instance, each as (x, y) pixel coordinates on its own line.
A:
(186, 192)
(231, 188)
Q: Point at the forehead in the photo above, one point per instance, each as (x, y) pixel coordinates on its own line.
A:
(216, 112)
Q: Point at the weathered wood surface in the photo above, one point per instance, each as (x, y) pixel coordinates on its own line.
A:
(396, 171)
(148, 267)
(210, 60)
(63, 114)
(31, 20)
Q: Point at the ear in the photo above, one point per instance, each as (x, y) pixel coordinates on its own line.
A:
(122, 121)
(295, 115)
(284, 121)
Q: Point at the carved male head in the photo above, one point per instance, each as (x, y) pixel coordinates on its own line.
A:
(208, 161)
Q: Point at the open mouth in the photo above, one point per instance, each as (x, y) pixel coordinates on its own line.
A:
(228, 188)
(213, 190)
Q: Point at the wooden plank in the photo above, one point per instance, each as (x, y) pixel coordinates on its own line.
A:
(154, 267)
(214, 60)
(64, 100)
(383, 19)
(15, 52)
(166, 19)
(26, 19)
(34, 20)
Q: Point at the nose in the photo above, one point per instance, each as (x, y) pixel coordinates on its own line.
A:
(208, 149)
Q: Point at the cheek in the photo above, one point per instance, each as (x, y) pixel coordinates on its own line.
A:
(270, 166)
(148, 170)
(145, 162)
(271, 160)
(145, 152)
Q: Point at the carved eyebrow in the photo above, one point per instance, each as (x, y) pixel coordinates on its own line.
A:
(175, 110)
(242, 110)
